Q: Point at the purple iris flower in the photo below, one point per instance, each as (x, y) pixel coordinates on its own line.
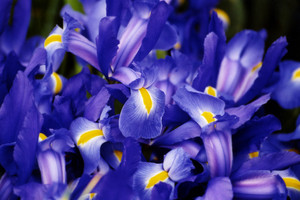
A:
(141, 115)
(118, 46)
(175, 167)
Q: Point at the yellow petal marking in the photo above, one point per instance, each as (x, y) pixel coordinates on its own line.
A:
(85, 137)
(146, 99)
(222, 14)
(296, 74)
(118, 154)
(177, 46)
(256, 67)
(58, 83)
(157, 178)
(209, 117)
(52, 38)
(253, 154)
(294, 150)
(42, 137)
(92, 195)
(211, 91)
(292, 183)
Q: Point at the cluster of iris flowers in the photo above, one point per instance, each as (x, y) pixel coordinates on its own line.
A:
(164, 107)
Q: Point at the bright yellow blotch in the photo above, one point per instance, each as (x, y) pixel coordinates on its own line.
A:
(209, 117)
(118, 154)
(42, 136)
(177, 46)
(58, 83)
(296, 74)
(292, 183)
(85, 137)
(157, 178)
(256, 67)
(222, 14)
(146, 99)
(52, 38)
(211, 91)
(92, 195)
(253, 154)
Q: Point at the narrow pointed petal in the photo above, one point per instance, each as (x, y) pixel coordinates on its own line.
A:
(158, 17)
(12, 38)
(107, 43)
(184, 132)
(26, 144)
(272, 161)
(254, 132)
(14, 108)
(271, 60)
(245, 112)
(95, 105)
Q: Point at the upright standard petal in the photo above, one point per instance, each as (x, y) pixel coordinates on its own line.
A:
(218, 147)
(14, 34)
(271, 60)
(52, 167)
(14, 108)
(240, 65)
(107, 43)
(141, 115)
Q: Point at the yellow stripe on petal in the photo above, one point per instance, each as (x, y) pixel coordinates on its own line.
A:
(58, 83)
(87, 136)
(177, 46)
(211, 91)
(292, 183)
(92, 195)
(52, 38)
(223, 15)
(118, 154)
(253, 154)
(209, 117)
(146, 99)
(42, 137)
(256, 67)
(157, 178)
(296, 74)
